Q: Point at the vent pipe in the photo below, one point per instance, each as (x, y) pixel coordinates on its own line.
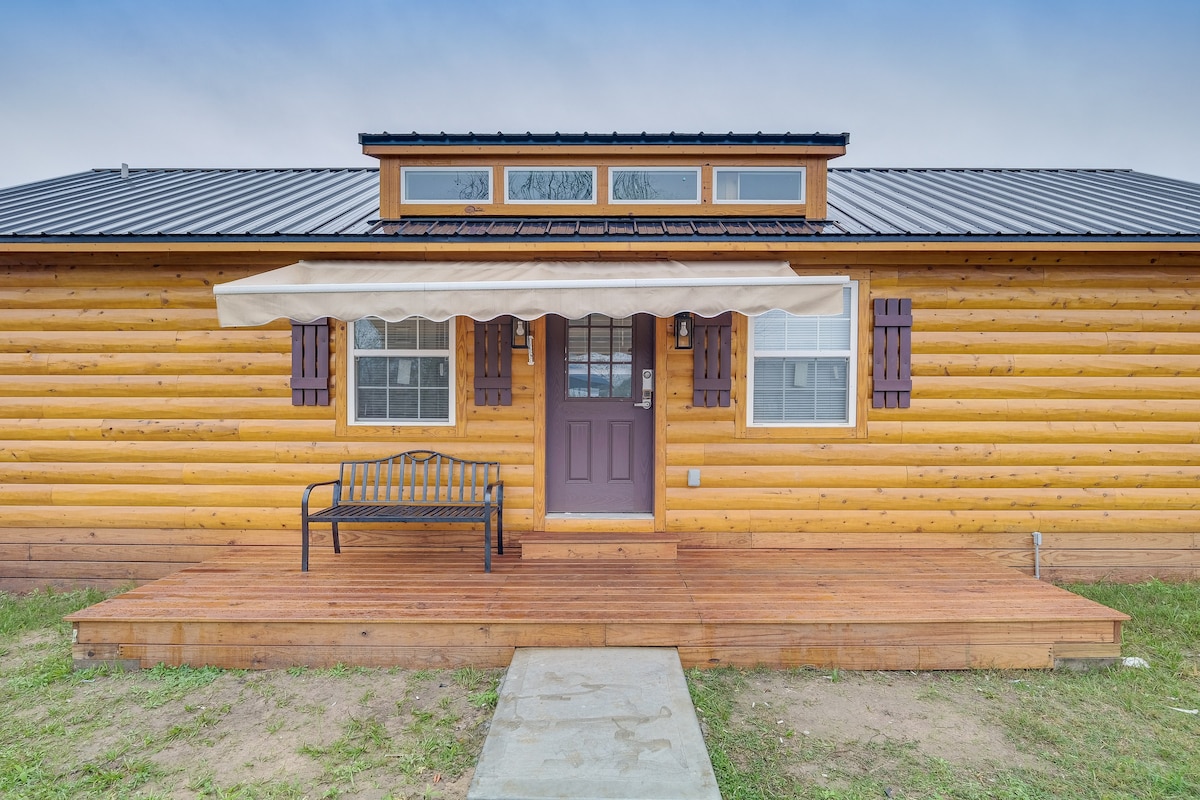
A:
(124, 171)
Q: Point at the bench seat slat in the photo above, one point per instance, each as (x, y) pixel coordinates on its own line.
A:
(395, 512)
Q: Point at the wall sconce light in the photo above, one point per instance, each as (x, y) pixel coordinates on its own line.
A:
(520, 334)
(683, 330)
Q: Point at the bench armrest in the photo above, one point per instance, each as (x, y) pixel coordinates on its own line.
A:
(494, 489)
(337, 493)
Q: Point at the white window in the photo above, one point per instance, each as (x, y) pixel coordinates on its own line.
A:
(445, 185)
(803, 369)
(550, 184)
(403, 372)
(758, 185)
(653, 185)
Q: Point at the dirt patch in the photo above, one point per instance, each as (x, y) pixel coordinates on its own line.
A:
(32, 647)
(368, 733)
(844, 725)
(292, 734)
(403, 733)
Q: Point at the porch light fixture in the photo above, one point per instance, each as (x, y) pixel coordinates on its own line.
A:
(520, 334)
(683, 330)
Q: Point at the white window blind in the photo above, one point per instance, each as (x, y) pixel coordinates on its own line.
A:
(803, 368)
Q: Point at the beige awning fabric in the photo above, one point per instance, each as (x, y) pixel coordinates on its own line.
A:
(483, 290)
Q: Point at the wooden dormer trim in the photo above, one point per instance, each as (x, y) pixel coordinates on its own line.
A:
(602, 158)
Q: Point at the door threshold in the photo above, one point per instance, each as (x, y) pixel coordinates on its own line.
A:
(596, 515)
(604, 522)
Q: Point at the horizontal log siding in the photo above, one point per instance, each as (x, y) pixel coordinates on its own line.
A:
(1060, 399)
(139, 437)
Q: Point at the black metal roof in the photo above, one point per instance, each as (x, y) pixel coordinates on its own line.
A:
(614, 138)
(342, 204)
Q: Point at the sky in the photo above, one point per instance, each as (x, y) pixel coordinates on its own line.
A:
(925, 83)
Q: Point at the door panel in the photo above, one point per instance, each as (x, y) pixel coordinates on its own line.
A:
(579, 451)
(600, 446)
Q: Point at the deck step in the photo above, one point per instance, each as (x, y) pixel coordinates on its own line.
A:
(599, 546)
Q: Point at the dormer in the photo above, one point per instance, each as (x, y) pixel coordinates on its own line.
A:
(603, 175)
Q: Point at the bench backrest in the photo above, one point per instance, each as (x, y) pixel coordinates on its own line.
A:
(417, 476)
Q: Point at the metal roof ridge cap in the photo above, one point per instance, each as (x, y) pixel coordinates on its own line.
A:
(528, 137)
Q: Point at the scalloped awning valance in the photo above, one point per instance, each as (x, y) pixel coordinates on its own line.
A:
(483, 290)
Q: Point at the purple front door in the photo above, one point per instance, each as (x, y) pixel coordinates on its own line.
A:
(599, 441)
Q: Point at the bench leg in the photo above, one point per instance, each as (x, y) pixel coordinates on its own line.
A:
(337, 543)
(304, 544)
(487, 544)
(500, 531)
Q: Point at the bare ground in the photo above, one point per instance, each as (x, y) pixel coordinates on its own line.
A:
(401, 733)
(845, 725)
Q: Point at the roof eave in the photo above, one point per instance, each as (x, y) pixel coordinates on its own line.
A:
(1157, 241)
(424, 145)
(599, 139)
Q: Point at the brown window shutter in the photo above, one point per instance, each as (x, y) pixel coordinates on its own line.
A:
(493, 363)
(712, 360)
(892, 367)
(310, 363)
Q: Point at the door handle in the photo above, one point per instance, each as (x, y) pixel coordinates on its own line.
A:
(647, 389)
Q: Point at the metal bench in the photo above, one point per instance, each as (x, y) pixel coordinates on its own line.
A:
(414, 486)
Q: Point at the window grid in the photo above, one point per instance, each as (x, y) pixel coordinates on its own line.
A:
(403, 372)
(600, 357)
(449, 185)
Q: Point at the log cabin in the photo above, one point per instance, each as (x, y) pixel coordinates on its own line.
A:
(701, 344)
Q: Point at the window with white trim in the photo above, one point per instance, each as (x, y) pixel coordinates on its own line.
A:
(654, 184)
(445, 185)
(403, 372)
(758, 185)
(550, 184)
(803, 369)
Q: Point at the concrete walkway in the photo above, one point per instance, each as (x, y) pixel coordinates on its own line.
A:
(610, 723)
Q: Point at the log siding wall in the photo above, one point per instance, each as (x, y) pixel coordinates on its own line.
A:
(137, 436)
(1060, 399)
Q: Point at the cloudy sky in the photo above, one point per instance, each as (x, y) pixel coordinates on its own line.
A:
(243, 83)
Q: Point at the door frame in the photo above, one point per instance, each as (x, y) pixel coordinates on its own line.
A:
(661, 399)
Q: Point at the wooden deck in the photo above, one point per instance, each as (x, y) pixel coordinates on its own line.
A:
(853, 609)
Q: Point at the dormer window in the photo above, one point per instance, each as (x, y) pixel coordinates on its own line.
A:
(654, 185)
(758, 185)
(550, 184)
(565, 175)
(445, 185)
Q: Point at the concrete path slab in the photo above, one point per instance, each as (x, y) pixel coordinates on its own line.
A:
(609, 723)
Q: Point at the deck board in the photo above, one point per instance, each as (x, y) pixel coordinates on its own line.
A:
(378, 606)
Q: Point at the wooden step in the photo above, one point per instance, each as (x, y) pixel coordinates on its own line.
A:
(597, 546)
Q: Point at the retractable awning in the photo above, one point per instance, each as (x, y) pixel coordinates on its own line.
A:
(483, 290)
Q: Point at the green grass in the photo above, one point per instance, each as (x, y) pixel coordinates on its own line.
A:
(91, 733)
(364, 745)
(1086, 736)
(36, 692)
(43, 610)
(1096, 735)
